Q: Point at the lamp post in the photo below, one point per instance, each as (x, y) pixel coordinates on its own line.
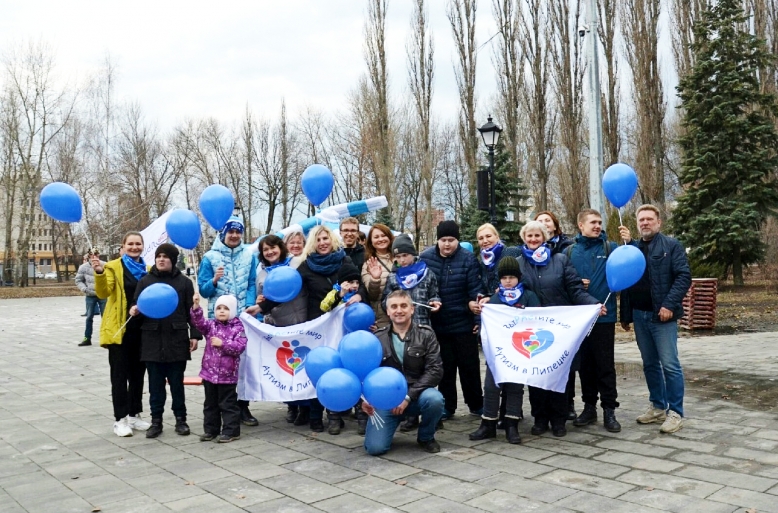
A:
(491, 134)
(34, 268)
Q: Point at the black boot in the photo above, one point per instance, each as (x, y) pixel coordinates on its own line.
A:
(487, 429)
(247, 418)
(410, 424)
(587, 416)
(540, 426)
(182, 428)
(291, 413)
(609, 420)
(335, 423)
(571, 414)
(512, 431)
(317, 426)
(558, 428)
(303, 416)
(361, 422)
(155, 429)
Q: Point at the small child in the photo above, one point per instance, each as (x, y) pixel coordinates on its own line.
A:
(413, 277)
(511, 293)
(347, 286)
(225, 340)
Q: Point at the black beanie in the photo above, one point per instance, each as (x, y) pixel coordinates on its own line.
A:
(403, 244)
(348, 272)
(169, 250)
(508, 266)
(448, 229)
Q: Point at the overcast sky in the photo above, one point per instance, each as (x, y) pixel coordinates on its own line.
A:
(196, 58)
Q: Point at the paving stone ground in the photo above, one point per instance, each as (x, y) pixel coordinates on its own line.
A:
(58, 452)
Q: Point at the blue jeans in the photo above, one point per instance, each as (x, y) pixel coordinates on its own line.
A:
(658, 344)
(429, 405)
(94, 305)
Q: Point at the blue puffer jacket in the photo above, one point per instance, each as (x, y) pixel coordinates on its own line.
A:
(459, 282)
(588, 258)
(669, 275)
(240, 275)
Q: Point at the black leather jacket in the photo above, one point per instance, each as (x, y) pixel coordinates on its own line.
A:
(421, 363)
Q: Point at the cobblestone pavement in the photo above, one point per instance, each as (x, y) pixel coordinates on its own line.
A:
(58, 452)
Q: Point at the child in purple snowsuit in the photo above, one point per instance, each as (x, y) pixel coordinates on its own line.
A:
(225, 340)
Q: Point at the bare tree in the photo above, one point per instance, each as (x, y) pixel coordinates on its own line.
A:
(607, 11)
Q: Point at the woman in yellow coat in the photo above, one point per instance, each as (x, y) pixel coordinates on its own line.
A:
(116, 282)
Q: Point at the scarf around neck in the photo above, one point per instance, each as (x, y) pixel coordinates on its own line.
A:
(491, 255)
(281, 263)
(540, 256)
(348, 294)
(326, 264)
(137, 269)
(410, 276)
(512, 295)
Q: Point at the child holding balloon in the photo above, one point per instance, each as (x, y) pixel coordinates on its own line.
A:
(225, 341)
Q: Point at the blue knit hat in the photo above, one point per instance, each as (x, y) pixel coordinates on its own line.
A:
(233, 223)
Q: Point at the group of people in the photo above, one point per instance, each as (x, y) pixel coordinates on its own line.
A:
(427, 308)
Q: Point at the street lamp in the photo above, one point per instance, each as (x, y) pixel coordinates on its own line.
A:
(34, 268)
(491, 134)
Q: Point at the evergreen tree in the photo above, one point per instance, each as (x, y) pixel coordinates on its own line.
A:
(510, 196)
(729, 159)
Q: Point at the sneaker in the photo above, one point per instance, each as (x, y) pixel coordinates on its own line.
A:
(207, 437)
(85, 342)
(225, 439)
(138, 423)
(672, 423)
(431, 446)
(652, 415)
(121, 428)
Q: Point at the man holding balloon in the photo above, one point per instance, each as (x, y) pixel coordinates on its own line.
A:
(414, 351)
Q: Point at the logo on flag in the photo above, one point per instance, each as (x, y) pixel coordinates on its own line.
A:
(530, 343)
(291, 356)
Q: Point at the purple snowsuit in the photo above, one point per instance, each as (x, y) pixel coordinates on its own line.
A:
(220, 364)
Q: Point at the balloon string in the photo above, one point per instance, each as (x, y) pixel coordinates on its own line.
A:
(85, 235)
(607, 297)
(123, 325)
(422, 304)
(621, 223)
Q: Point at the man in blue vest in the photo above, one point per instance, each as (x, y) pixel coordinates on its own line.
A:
(230, 267)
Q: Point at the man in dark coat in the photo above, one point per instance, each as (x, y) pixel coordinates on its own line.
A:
(654, 304)
(167, 343)
(349, 233)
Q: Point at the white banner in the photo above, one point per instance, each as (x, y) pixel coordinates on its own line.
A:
(273, 366)
(534, 346)
(154, 235)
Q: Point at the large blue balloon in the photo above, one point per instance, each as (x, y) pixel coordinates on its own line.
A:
(158, 300)
(216, 204)
(619, 184)
(319, 361)
(183, 228)
(282, 284)
(624, 267)
(385, 388)
(61, 202)
(360, 352)
(338, 389)
(317, 182)
(358, 316)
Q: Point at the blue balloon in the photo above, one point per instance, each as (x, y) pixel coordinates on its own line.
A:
(385, 388)
(158, 300)
(183, 228)
(358, 316)
(216, 204)
(361, 352)
(467, 246)
(319, 361)
(624, 267)
(317, 182)
(619, 184)
(338, 389)
(282, 284)
(61, 202)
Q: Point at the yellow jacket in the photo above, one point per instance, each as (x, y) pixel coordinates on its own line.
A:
(110, 285)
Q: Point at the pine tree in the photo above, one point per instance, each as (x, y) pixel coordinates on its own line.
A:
(510, 196)
(729, 159)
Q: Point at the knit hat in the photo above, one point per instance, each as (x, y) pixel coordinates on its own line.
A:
(348, 272)
(448, 229)
(231, 302)
(508, 266)
(233, 223)
(169, 250)
(403, 244)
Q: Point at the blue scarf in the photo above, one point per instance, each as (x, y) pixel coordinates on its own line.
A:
(554, 240)
(512, 295)
(279, 264)
(348, 294)
(326, 264)
(410, 276)
(540, 256)
(492, 255)
(137, 269)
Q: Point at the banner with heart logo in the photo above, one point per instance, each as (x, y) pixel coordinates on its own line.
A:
(273, 366)
(534, 346)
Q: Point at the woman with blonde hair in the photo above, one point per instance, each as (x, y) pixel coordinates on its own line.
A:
(378, 265)
(492, 250)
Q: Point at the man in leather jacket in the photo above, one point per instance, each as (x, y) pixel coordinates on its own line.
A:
(413, 350)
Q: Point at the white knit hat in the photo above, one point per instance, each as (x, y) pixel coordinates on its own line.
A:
(230, 301)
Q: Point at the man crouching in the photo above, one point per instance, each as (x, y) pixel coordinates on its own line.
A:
(421, 364)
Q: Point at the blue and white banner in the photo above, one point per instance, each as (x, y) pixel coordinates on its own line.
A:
(534, 346)
(273, 366)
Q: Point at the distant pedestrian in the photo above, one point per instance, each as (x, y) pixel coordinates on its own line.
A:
(85, 281)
